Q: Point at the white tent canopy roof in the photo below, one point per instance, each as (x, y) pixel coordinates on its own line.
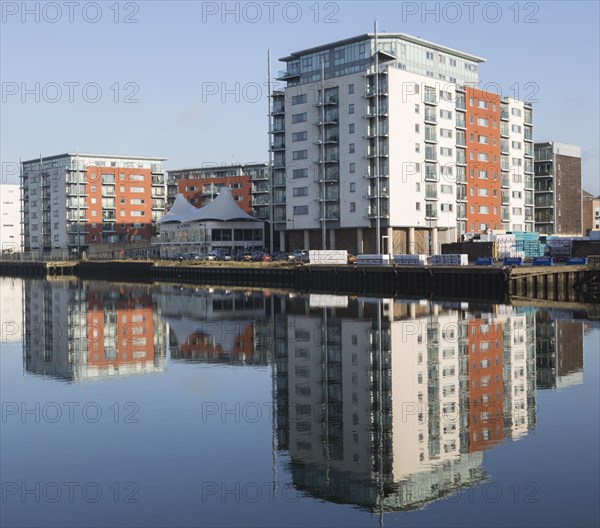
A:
(222, 209)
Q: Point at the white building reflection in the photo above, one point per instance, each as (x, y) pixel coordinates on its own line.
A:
(389, 405)
(80, 331)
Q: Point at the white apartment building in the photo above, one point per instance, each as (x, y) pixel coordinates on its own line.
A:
(10, 215)
(414, 152)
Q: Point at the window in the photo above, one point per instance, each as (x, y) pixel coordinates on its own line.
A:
(301, 210)
(350, 89)
(446, 189)
(351, 128)
(516, 194)
(300, 191)
(418, 187)
(92, 200)
(517, 211)
(483, 175)
(351, 148)
(299, 154)
(445, 114)
(515, 112)
(516, 128)
(418, 206)
(482, 121)
(417, 147)
(352, 168)
(516, 145)
(417, 108)
(444, 151)
(137, 189)
(298, 99)
(429, 55)
(483, 139)
(483, 191)
(445, 132)
(137, 177)
(352, 207)
(417, 128)
(484, 209)
(299, 118)
(137, 213)
(350, 108)
(137, 201)
(452, 62)
(483, 156)
(352, 187)
(300, 173)
(300, 136)
(446, 207)
(482, 104)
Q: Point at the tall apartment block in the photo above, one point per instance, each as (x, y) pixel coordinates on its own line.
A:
(74, 200)
(10, 226)
(249, 185)
(558, 188)
(395, 140)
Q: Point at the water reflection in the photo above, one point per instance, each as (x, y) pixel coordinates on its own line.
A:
(78, 331)
(379, 403)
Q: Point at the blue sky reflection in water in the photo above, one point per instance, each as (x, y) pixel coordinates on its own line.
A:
(139, 405)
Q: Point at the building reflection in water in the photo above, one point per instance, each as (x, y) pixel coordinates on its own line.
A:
(559, 350)
(89, 330)
(380, 403)
(389, 405)
(216, 326)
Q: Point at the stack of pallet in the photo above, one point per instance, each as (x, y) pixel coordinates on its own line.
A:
(410, 260)
(528, 242)
(450, 260)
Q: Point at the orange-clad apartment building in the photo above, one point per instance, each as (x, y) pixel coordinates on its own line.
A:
(248, 182)
(77, 200)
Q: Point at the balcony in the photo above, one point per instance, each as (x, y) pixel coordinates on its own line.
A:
(504, 115)
(372, 192)
(372, 213)
(371, 174)
(382, 153)
(431, 176)
(461, 122)
(372, 132)
(430, 117)
(331, 195)
(383, 90)
(430, 136)
(505, 181)
(430, 98)
(290, 73)
(278, 145)
(261, 188)
(278, 108)
(330, 100)
(264, 175)
(382, 110)
(431, 214)
(260, 200)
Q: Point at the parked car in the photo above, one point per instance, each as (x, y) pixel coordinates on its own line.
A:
(300, 255)
(218, 254)
(261, 256)
(280, 255)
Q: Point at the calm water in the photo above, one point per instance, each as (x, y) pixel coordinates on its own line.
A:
(133, 405)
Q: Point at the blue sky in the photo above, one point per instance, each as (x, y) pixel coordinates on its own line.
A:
(152, 68)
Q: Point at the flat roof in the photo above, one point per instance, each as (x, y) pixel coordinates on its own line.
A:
(402, 36)
(222, 167)
(85, 155)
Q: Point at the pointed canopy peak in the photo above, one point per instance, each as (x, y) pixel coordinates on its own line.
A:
(223, 208)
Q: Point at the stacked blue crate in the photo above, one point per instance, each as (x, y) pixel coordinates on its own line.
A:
(529, 243)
